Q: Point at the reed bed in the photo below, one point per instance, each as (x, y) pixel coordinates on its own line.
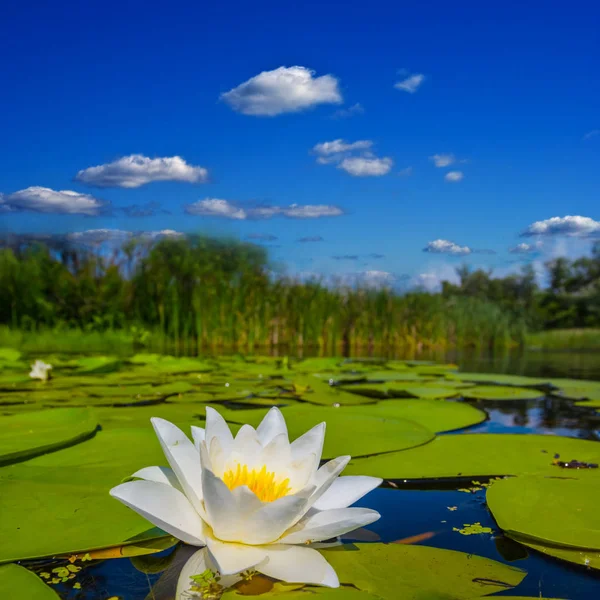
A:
(197, 294)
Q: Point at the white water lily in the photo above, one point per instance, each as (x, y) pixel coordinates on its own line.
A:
(40, 370)
(256, 501)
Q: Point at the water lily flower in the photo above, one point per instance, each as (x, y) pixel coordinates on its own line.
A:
(40, 370)
(256, 501)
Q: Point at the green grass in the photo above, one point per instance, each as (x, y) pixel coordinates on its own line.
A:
(565, 339)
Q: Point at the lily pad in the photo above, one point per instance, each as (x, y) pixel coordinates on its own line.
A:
(436, 415)
(396, 389)
(479, 455)
(577, 389)
(560, 512)
(420, 571)
(9, 355)
(30, 434)
(501, 392)
(59, 503)
(19, 583)
(500, 379)
(577, 556)
(357, 434)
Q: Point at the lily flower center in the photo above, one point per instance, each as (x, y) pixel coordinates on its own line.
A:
(261, 482)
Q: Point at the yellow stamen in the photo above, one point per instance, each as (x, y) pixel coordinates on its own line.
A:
(262, 483)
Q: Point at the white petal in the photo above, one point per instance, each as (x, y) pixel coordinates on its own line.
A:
(160, 475)
(325, 477)
(245, 450)
(183, 458)
(196, 564)
(273, 519)
(326, 524)
(296, 564)
(310, 442)
(217, 427)
(228, 511)
(198, 435)
(165, 507)
(276, 455)
(345, 491)
(234, 558)
(271, 426)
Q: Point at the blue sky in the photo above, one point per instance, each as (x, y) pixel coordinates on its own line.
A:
(340, 111)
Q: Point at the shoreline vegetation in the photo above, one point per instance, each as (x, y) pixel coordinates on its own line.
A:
(197, 294)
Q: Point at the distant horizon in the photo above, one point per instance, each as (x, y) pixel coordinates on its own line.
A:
(404, 142)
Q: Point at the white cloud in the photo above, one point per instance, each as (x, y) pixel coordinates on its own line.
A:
(407, 172)
(590, 134)
(101, 236)
(454, 176)
(45, 200)
(411, 84)
(345, 113)
(338, 146)
(360, 166)
(353, 157)
(283, 90)
(136, 170)
(446, 247)
(525, 248)
(214, 207)
(443, 160)
(570, 225)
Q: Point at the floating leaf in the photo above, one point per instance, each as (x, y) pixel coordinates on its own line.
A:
(58, 504)
(500, 392)
(478, 455)
(560, 512)
(396, 389)
(19, 583)
(30, 434)
(372, 434)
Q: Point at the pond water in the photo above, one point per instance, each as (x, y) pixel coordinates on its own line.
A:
(426, 511)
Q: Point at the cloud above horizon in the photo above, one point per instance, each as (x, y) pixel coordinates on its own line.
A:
(446, 247)
(283, 90)
(136, 170)
(443, 160)
(524, 248)
(351, 111)
(217, 207)
(454, 176)
(355, 158)
(571, 225)
(411, 83)
(262, 237)
(46, 200)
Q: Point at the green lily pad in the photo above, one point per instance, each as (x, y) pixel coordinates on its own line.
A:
(357, 434)
(313, 390)
(191, 397)
(436, 415)
(529, 507)
(29, 434)
(8, 355)
(577, 389)
(577, 556)
(420, 571)
(97, 364)
(479, 455)
(500, 392)
(395, 389)
(134, 417)
(497, 378)
(59, 503)
(314, 365)
(589, 403)
(19, 583)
